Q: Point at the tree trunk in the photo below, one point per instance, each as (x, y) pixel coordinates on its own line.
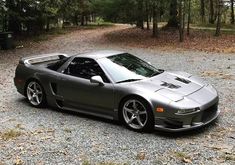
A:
(82, 20)
(184, 7)
(181, 20)
(211, 15)
(147, 13)
(189, 17)
(173, 21)
(13, 21)
(155, 20)
(202, 11)
(48, 24)
(218, 25)
(76, 19)
(232, 12)
(87, 20)
(140, 18)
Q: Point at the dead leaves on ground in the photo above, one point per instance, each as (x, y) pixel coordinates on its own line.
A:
(169, 40)
(18, 161)
(183, 157)
(217, 74)
(141, 155)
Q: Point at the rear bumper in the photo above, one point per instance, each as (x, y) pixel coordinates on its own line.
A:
(188, 122)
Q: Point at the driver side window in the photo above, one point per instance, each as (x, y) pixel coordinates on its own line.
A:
(85, 68)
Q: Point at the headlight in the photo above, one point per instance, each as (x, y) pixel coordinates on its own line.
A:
(187, 111)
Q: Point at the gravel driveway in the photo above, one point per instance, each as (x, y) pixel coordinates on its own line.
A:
(49, 136)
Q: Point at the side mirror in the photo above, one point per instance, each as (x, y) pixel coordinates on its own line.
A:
(97, 80)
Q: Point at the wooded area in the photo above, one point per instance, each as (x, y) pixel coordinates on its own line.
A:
(29, 16)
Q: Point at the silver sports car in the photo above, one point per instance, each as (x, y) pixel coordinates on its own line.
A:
(119, 86)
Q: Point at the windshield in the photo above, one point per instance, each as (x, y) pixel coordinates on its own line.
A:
(126, 67)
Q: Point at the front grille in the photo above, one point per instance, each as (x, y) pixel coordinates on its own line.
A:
(210, 112)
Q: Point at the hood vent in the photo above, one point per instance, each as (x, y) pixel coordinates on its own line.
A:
(169, 85)
(182, 80)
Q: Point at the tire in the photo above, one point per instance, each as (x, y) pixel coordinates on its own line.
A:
(35, 94)
(136, 114)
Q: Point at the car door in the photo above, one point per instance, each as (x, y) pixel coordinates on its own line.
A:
(79, 93)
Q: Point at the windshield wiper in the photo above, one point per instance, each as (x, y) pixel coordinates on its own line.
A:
(128, 80)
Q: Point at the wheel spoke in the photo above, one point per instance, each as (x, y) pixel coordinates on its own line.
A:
(131, 119)
(30, 98)
(35, 86)
(134, 105)
(129, 110)
(30, 89)
(139, 121)
(37, 99)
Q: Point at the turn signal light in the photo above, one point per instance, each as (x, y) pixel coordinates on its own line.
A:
(160, 110)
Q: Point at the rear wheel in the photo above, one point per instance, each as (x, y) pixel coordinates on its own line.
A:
(35, 94)
(137, 115)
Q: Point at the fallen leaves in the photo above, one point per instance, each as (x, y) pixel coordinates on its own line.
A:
(217, 74)
(183, 157)
(141, 155)
(10, 134)
(169, 40)
(186, 160)
(18, 161)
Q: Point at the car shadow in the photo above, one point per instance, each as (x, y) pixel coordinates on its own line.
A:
(174, 135)
(189, 133)
(72, 113)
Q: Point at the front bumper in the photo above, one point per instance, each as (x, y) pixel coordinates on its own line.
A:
(19, 85)
(189, 121)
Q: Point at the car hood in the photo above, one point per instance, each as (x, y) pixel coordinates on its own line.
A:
(172, 85)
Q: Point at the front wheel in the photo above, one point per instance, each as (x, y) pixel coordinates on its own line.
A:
(35, 94)
(137, 115)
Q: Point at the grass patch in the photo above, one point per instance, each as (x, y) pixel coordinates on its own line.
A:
(86, 162)
(180, 155)
(10, 134)
(225, 26)
(96, 25)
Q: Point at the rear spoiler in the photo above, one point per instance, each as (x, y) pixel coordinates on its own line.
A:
(42, 58)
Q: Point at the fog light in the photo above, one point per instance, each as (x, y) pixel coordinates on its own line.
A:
(160, 110)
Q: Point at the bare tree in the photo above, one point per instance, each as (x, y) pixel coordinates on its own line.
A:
(203, 11)
(140, 18)
(189, 16)
(147, 13)
(181, 20)
(155, 19)
(218, 24)
(173, 21)
(211, 14)
(232, 11)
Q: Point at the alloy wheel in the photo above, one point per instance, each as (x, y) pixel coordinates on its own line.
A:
(34, 93)
(135, 114)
